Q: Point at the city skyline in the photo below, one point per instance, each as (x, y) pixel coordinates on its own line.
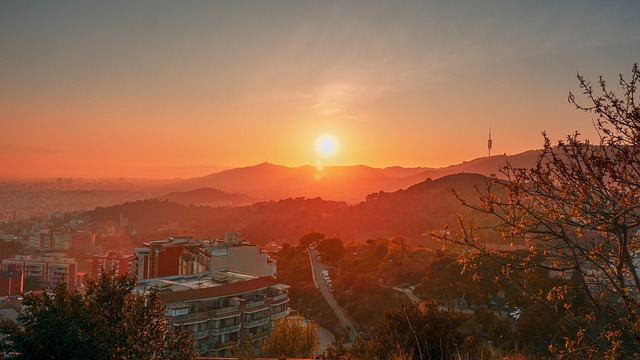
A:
(162, 90)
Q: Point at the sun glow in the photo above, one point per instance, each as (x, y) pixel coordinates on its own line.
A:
(327, 145)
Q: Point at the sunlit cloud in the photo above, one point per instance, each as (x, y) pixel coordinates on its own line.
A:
(333, 98)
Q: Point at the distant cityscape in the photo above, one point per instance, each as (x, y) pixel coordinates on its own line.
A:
(223, 290)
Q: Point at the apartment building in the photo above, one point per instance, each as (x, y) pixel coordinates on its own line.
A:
(10, 280)
(120, 262)
(51, 239)
(224, 310)
(61, 239)
(185, 256)
(160, 258)
(219, 255)
(45, 271)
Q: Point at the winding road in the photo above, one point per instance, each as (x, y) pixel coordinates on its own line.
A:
(321, 284)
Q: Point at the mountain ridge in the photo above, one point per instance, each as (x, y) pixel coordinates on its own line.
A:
(351, 183)
(410, 213)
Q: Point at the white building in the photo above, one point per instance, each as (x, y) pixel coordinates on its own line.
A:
(224, 310)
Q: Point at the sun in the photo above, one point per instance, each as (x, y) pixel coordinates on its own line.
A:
(327, 145)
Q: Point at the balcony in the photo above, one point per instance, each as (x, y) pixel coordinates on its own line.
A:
(280, 297)
(226, 310)
(202, 349)
(254, 304)
(201, 334)
(282, 313)
(224, 345)
(206, 315)
(225, 330)
(255, 337)
(256, 322)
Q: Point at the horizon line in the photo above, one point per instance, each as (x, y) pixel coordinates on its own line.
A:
(227, 168)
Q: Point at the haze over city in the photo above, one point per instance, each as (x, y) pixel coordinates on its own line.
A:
(340, 179)
(159, 89)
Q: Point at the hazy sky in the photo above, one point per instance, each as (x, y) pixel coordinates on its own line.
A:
(161, 88)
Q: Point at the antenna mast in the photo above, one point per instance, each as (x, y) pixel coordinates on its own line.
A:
(490, 142)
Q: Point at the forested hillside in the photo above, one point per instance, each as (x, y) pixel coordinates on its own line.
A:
(410, 213)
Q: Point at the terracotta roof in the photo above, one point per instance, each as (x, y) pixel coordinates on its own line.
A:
(235, 288)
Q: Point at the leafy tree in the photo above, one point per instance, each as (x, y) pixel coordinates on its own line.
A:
(335, 350)
(50, 327)
(291, 338)
(311, 238)
(536, 328)
(106, 322)
(331, 248)
(421, 332)
(496, 329)
(442, 281)
(579, 210)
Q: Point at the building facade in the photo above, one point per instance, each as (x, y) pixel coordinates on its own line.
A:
(11, 280)
(61, 239)
(120, 262)
(186, 256)
(223, 310)
(160, 258)
(46, 271)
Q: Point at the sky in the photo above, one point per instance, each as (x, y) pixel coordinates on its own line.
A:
(181, 88)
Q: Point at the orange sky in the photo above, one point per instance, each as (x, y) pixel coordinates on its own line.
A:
(174, 90)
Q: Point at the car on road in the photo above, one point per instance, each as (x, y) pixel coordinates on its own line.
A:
(515, 315)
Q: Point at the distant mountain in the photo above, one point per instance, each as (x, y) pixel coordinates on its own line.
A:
(268, 181)
(272, 182)
(419, 209)
(208, 197)
(410, 213)
(487, 166)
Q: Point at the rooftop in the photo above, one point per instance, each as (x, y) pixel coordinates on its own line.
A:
(207, 285)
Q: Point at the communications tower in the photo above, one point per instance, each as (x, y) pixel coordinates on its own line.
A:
(490, 142)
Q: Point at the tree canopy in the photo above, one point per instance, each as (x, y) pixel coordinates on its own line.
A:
(108, 321)
(291, 338)
(331, 248)
(417, 332)
(578, 210)
(311, 238)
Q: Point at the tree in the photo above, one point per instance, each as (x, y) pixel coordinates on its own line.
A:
(108, 321)
(420, 332)
(443, 280)
(331, 248)
(291, 338)
(578, 209)
(311, 238)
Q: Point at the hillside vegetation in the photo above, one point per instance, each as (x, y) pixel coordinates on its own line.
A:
(410, 213)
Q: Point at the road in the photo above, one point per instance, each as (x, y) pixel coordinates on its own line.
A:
(325, 339)
(416, 300)
(320, 283)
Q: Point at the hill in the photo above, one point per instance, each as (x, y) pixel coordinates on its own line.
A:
(487, 166)
(272, 182)
(208, 197)
(352, 184)
(410, 213)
